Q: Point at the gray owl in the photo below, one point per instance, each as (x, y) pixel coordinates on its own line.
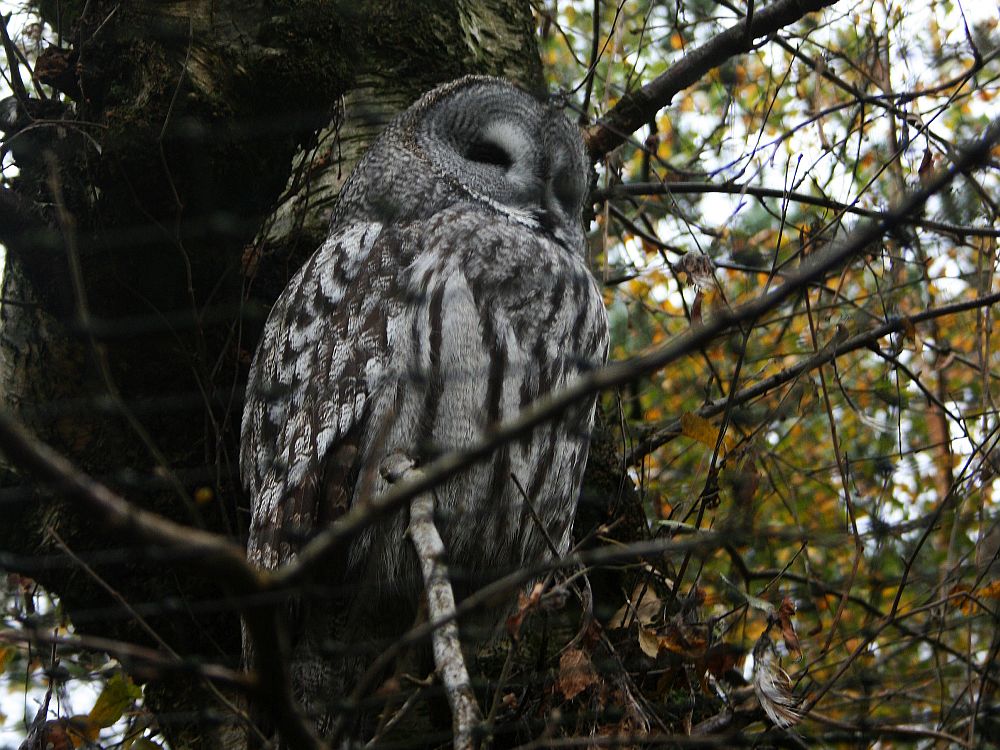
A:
(452, 291)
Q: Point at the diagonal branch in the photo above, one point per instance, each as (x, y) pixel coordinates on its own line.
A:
(815, 268)
(225, 559)
(637, 108)
(736, 188)
(864, 340)
(134, 657)
(214, 555)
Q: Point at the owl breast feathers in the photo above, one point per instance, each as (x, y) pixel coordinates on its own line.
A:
(452, 292)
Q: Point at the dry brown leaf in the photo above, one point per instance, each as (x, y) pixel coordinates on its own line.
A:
(699, 299)
(926, 167)
(62, 734)
(525, 603)
(722, 657)
(644, 606)
(699, 268)
(785, 614)
(688, 645)
(576, 673)
(6, 654)
(649, 642)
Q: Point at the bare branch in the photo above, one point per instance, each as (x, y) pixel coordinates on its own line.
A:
(223, 560)
(448, 659)
(130, 652)
(215, 556)
(735, 188)
(637, 108)
(863, 340)
(812, 270)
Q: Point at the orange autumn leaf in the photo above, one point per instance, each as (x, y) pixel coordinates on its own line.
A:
(785, 614)
(576, 673)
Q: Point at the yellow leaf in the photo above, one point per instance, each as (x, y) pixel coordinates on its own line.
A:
(119, 693)
(991, 590)
(649, 642)
(700, 429)
(82, 730)
(6, 654)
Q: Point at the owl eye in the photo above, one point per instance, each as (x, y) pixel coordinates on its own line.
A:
(566, 190)
(486, 152)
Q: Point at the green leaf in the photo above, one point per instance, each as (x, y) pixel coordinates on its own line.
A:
(119, 693)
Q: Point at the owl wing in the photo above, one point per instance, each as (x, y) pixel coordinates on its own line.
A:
(324, 345)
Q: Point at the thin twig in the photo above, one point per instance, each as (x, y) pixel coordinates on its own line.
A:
(736, 188)
(324, 545)
(127, 652)
(635, 109)
(447, 647)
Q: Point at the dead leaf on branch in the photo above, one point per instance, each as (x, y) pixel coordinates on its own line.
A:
(926, 169)
(784, 616)
(699, 268)
(576, 673)
(525, 604)
(6, 655)
(689, 645)
(644, 606)
(696, 307)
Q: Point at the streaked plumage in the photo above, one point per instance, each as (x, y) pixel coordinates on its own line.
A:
(451, 292)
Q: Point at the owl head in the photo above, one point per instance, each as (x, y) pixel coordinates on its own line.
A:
(476, 140)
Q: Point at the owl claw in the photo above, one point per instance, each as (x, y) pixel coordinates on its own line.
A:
(395, 465)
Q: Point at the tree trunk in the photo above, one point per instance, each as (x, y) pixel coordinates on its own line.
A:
(156, 222)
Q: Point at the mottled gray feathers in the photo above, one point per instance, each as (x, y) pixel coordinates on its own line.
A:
(452, 292)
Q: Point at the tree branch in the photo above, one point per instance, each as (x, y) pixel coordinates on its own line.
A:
(448, 659)
(866, 339)
(812, 270)
(215, 556)
(637, 108)
(735, 188)
(127, 653)
(222, 558)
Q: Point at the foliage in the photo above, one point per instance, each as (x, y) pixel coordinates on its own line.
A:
(863, 488)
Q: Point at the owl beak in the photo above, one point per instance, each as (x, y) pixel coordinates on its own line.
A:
(552, 220)
(547, 219)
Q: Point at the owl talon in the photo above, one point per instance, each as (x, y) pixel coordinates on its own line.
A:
(394, 466)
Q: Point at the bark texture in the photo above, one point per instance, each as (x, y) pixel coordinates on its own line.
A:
(185, 174)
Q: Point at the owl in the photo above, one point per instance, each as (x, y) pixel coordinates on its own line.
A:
(451, 292)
